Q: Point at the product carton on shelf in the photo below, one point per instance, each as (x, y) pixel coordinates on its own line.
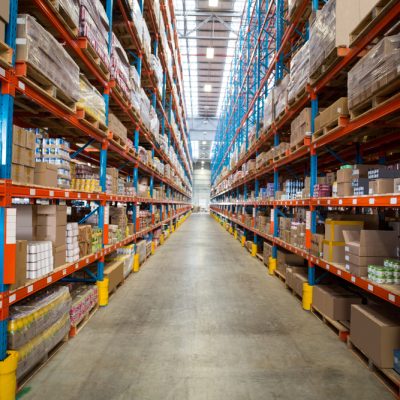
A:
(334, 228)
(334, 301)
(381, 186)
(45, 175)
(383, 327)
(329, 116)
(20, 264)
(115, 274)
(300, 127)
(26, 222)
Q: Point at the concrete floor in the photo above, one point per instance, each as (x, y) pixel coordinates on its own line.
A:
(203, 320)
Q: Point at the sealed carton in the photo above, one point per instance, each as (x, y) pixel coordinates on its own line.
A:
(334, 228)
(45, 175)
(381, 186)
(334, 251)
(371, 243)
(383, 327)
(115, 274)
(334, 302)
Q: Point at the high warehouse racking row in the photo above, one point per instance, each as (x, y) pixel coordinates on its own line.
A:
(307, 146)
(94, 142)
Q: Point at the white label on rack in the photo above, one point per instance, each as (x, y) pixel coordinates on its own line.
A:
(347, 257)
(106, 214)
(371, 200)
(392, 297)
(87, 261)
(76, 266)
(328, 202)
(353, 279)
(64, 272)
(32, 192)
(328, 267)
(340, 201)
(98, 196)
(2, 72)
(89, 196)
(370, 288)
(79, 195)
(51, 193)
(29, 289)
(354, 201)
(308, 219)
(21, 85)
(254, 212)
(1, 304)
(339, 272)
(12, 298)
(49, 279)
(393, 200)
(312, 259)
(66, 194)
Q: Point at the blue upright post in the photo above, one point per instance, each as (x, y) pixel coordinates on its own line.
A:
(6, 126)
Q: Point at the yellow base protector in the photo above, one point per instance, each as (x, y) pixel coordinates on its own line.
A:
(230, 230)
(235, 234)
(172, 228)
(253, 250)
(153, 248)
(136, 265)
(272, 265)
(162, 239)
(102, 287)
(307, 296)
(8, 376)
(243, 240)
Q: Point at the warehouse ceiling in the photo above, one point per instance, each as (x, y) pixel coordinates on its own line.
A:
(207, 32)
(207, 35)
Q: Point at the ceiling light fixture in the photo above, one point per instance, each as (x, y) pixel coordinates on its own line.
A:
(210, 52)
(204, 142)
(207, 88)
(213, 3)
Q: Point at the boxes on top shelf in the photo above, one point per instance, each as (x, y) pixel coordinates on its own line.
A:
(120, 66)
(299, 73)
(91, 100)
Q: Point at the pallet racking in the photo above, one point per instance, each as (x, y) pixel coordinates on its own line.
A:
(107, 150)
(268, 38)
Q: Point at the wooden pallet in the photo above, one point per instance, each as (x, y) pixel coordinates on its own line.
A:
(63, 16)
(332, 58)
(338, 327)
(381, 9)
(32, 76)
(388, 376)
(45, 359)
(92, 55)
(297, 146)
(74, 330)
(91, 120)
(299, 96)
(280, 276)
(6, 53)
(341, 121)
(384, 94)
(120, 94)
(117, 140)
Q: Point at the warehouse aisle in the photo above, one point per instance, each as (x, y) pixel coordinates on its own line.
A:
(202, 320)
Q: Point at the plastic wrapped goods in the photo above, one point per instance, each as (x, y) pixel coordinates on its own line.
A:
(157, 68)
(84, 298)
(269, 110)
(299, 72)
(280, 96)
(120, 67)
(136, 15)
(91, 100)
(71, 7)
(146, 39)
(41, 50)
(380, 67)
(30, 318)
(94, 25)
(135, 78)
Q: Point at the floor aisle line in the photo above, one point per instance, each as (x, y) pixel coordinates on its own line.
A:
(202, 320)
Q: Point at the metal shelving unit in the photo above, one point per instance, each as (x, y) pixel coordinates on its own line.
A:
(267, 39)
(15, 85)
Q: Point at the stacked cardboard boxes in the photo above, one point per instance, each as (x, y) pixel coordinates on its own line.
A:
(330, 115)
(286, 259)
(51, 225)
(4, 18)
(72, 243)
(295, 277)
(40, 260)
(300, 127)
(23, 156)
(112, 180)
(365, 247)
(334, 244)
(85, 240)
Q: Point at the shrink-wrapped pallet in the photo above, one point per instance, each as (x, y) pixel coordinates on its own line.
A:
(120, 67)
(40, 49)
(280, 96)
(299, 73)
(91, 100)
(375, 72)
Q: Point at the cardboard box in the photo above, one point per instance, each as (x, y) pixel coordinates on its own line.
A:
(344, 175)
(331, 114)
(46, 174)
(290, 272)
(344, 189)
(334, 228)
(59, 253)
(299, 278)
(5, 10)
(362, 261)
(334, 251)
(381, 186)
(29, 174)
(2, 30)
(20, 264)
(334, 302)
(30, 139)
(56, 234)
(115, 274)
(57, 211)
(26, 221)
(383, 327)
(19, 136)
(371, 243)
(356, 270)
